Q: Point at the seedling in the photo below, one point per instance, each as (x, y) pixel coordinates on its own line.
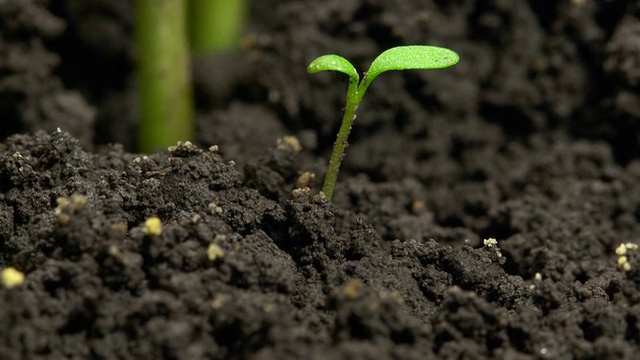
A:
(414, 57)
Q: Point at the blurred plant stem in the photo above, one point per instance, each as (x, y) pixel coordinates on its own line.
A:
(164, 78)
(215, 25)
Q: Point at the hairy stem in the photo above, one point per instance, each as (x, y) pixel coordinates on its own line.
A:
(341, 141)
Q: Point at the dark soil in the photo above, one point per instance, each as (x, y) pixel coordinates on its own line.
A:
(532, 139)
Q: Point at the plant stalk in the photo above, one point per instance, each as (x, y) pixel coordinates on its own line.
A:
(164, 78)
(341, 141)
(215, 25)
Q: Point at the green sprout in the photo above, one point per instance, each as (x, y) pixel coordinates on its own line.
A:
(414, 57)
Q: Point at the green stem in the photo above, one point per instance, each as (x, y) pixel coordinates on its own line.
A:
(215, 25)
(164, 79)
(341, 141)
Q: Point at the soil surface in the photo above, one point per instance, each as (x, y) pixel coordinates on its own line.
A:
(531, 140)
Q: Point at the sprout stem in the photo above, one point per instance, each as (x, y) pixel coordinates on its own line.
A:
(353, 101)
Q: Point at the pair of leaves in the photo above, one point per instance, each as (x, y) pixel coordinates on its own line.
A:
(413, 57)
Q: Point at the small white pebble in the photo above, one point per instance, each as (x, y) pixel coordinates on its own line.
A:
(216, 209)
(296, 193)
(214, 252)
(152, 226)
(490, 242)
(621, 250)
(622, 260)
(11, 277)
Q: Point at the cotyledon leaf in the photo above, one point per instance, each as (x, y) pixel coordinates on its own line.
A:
(334, 62)
(412, 57)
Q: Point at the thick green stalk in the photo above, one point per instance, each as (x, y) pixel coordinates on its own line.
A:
(215, 25)
(164, 79)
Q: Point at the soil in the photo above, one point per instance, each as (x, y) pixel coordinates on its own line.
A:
(531, 140)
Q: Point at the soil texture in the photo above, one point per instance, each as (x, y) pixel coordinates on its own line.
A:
(489, 210)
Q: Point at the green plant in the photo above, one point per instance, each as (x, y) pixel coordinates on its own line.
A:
(166, 32)
(414, 57)
(164, 78)
(215, 25)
